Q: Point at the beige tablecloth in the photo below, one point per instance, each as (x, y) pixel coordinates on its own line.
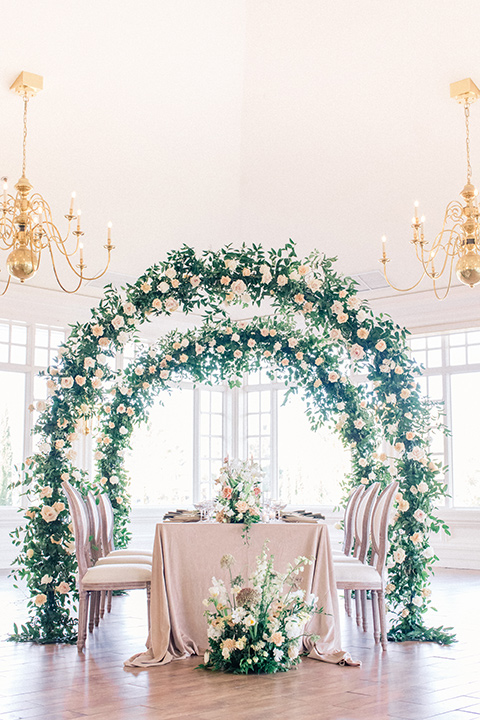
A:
(187, 556)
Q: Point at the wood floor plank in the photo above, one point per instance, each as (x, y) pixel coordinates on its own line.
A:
(411, 681)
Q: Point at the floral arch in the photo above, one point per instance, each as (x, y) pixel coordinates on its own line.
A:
(337, 328)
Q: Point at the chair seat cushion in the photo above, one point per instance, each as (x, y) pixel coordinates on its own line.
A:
(125, 559)
(341, 558)
(357, 572)
(117, 572)
(147, 553)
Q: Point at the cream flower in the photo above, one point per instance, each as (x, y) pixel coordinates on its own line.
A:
(63, 588)
(399, 555)
(48, 513)
(97, 330)
(66, 382)
(46, 492)
(46, 579)
(40, 599)
(118, 322)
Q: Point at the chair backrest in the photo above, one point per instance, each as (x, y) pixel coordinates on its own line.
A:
(81, 528)
(349, 518)
(363, 520)
(380, 522)
(95, 526)
(107, 521)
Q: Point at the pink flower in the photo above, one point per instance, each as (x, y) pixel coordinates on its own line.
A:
(129, 308)
(63, 588)
(171, 304)
(359, 424)
(164, 374)
(342, 318)
(357, 352)
(104, 342)
(251, 343)
(66, 382)
(292, 342)
(419, 515)
(299, 298)
(237, 354)
(227, 492)
(80, 380)
(381, 345)
(118, 322)
(238, 287)
(194, 281)
(333, 376)
(157, 304)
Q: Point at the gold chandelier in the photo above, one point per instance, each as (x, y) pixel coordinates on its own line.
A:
(457, 245)
(26, 224)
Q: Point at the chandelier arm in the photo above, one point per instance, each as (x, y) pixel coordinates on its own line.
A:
(6, 286)
(447, 289)
(394, 287)
(81, 278)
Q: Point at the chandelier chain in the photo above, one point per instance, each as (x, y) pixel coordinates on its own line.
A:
(467, 141)
(25, 101)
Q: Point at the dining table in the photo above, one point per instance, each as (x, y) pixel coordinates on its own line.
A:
(186, 556)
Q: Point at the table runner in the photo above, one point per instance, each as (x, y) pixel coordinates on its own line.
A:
(187, 556)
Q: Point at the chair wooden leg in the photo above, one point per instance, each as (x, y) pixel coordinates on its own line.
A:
(148, 588)
(383, 618)
(82, 619)
(358, 605)
(102, 603)
(348, 602)
(97, 608)
(109, 601)
(93, 605)
(363, 600)
(375, 616)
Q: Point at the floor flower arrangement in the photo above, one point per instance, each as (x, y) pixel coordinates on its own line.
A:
(257, 628)
(239, 493)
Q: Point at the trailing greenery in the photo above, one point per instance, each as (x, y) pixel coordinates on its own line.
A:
(317, 327)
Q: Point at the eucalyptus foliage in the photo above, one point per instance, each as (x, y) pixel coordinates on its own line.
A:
(315, 329)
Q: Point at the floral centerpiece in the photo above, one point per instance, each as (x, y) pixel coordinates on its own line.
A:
(256, 628)
(239, 493)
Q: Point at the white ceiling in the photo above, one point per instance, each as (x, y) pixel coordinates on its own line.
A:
(258, 120)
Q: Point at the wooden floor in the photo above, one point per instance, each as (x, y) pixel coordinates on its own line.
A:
(411, 681)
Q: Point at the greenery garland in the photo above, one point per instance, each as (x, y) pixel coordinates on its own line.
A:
(317, 327)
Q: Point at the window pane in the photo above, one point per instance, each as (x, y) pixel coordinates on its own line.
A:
(4, 353)
(457, 356)
(12, 421)
(311, 464)
(18, 354)
(4, 332)
(434, 358)
(41, 357)
(19, 334)
(474, 354)
(165, 476)
(41, 337)
(216, 424)
(465, 390)
(217, 402)
(253, 401)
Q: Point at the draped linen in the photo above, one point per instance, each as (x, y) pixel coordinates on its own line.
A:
(187, 556)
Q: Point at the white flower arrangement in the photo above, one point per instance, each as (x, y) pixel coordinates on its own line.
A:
(257, 628)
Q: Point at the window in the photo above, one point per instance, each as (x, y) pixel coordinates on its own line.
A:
(12, 423)
(452, 374)
(160, 464)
